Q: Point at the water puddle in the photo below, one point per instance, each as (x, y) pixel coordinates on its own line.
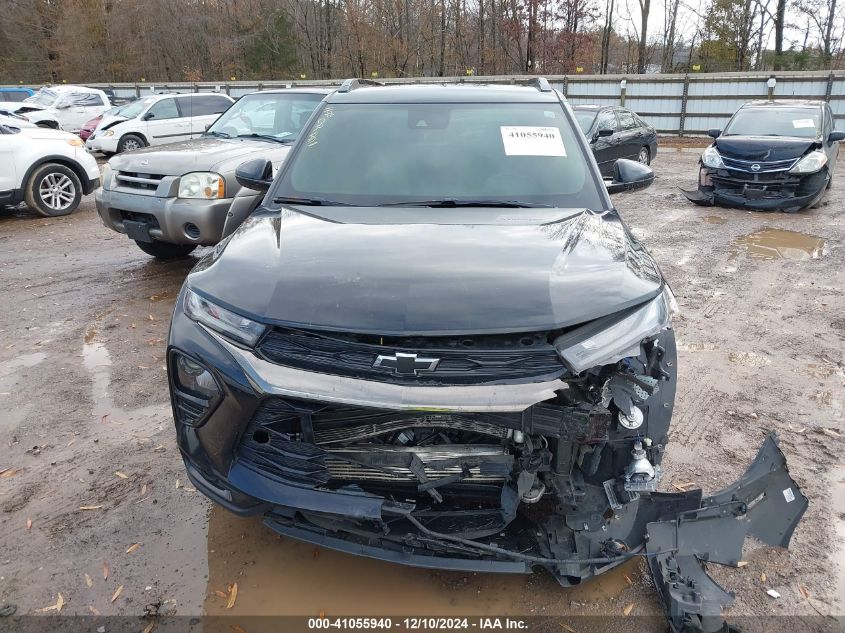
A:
(282, 576)
(714, 219)
(769, 243)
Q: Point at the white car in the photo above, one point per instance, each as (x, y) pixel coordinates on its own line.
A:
(156, 120)
(15, 120)
(62, 107)
(49, 169)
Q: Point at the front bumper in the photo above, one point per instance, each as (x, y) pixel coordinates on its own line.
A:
(762, 192)
(154, 218)
(106, 144)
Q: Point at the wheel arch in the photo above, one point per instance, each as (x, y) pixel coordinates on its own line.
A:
(140, 135)
(61, 160)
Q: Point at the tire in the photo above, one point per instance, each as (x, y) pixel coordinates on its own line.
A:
(53, 190)
(644, 157)
(166, 250)
(128, 142)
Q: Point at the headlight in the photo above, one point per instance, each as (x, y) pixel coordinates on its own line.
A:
(76, 142)
(584, 348)
(221, 320)
(205, 185)
(710, 158)
(106, 133)
(810, 164)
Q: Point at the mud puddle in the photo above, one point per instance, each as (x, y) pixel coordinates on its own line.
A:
(282, 576)
(769, 243)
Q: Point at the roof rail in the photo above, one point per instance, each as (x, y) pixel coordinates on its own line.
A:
(349, 85)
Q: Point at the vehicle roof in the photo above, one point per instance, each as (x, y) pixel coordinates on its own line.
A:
(309, 91)
(444, 93)
(591, 106)
(784, 103)
(69, 88)
(15, 89)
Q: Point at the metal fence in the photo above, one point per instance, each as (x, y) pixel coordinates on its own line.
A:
(675, 104)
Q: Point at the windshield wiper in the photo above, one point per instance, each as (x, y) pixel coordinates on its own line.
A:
(455, 204)
(310, 202)
(268, 137)
(219, 134)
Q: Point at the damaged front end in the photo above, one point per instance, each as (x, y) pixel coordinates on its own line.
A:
(791, 184)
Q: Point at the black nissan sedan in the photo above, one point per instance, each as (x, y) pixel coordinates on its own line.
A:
(772, 155)
(615, 133)
(436, 343)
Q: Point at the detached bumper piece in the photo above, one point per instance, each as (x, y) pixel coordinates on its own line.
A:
(765, 503)
(765, 191)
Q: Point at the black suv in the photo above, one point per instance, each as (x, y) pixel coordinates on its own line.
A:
(437, 343)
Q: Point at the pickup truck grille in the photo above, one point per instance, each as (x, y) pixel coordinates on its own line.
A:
(138, 180)
(464, 360)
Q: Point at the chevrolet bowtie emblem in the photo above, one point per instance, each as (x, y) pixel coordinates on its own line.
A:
(406, 364)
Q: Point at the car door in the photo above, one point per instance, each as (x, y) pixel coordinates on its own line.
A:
(204, 111)
(9, 148)
(605, 148)
(828, 126)
(631, 135)
(164, 123)
(81, 108)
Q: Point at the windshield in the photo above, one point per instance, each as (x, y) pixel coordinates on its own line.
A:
(585, 119)
(274, 115)
(134, 109)
(776, 121)
(383, 154)
(44, 96)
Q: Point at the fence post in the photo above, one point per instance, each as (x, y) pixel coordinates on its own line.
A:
(829, 88)
(566, 85)
(683, 120)
(771, 83)
(623, 89)
(137, 91)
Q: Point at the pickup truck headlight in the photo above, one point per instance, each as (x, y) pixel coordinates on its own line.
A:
(810, 164)
(585, 347)
(201, 184)
(710, 158)
(221, 320)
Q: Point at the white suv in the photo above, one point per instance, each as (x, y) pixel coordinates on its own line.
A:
(157, 120)
(62, 107)
(49, 169)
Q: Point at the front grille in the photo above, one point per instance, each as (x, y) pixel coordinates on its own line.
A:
(764, 166)
(138, 180)
(465, 360)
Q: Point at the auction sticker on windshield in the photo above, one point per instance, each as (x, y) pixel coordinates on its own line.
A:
(525, 140)
(799, 123)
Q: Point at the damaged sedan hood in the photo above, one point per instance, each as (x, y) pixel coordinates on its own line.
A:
(763, 148)
(199, 154)
(429, 271)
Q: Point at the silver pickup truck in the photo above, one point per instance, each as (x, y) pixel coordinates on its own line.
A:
(172, 198)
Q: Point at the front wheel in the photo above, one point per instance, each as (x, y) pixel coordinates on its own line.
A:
(166, 250)
(128, 142)
(644, 156)
(53, 190)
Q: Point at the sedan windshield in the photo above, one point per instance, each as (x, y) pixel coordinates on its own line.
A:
(442, 154)
(272, 116)
(585, 119)
(775, 121)
(43, 97)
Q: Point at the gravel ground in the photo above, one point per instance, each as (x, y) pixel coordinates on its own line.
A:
(86, 424)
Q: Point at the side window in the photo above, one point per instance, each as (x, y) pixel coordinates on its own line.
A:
(86, 99)
(164, 109)
(828, 121)
(607, 121)
(626, 120)
(212, 104)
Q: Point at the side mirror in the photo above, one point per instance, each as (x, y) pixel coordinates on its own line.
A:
(629, 175)
(148, 116)
(255, 174)
(714, 132)
(836, 135)
(604, 132)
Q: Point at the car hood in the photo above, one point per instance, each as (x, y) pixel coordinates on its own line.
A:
(473, 271)
(201, 154)
(109, 120)
(763, 148)
(45, 133)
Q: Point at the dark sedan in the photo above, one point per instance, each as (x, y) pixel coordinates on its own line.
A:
(772, 155)
(615, 133)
